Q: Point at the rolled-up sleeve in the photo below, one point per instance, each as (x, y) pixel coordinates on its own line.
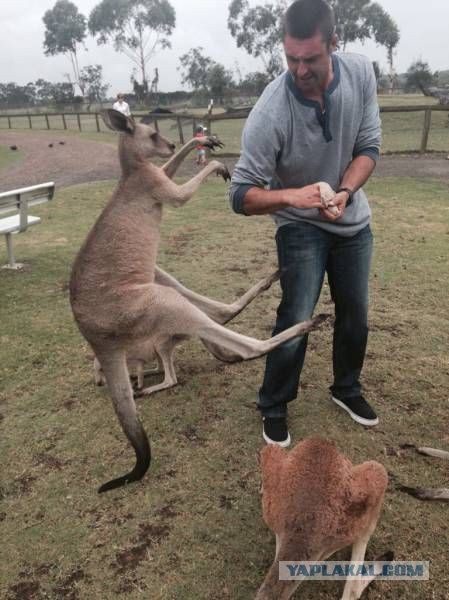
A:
(261, 145)
(369, 137)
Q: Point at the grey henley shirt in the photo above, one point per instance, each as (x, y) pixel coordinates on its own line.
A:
(289, 142)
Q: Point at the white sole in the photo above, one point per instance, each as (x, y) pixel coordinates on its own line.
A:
(356, 418)
(285, 444)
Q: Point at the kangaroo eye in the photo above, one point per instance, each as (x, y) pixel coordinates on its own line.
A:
(154, 136)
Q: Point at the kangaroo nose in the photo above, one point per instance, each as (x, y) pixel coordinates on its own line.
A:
(172, 146)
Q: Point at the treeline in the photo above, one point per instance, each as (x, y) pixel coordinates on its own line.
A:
(47, 93)
(39, 93)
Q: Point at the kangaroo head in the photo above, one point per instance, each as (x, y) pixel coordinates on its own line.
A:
(140, 140)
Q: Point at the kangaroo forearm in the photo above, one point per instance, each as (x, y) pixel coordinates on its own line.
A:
(187, 190)
(172, 165)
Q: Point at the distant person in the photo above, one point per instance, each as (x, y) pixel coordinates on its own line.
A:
(121, 105)
(318, 121)
(201, 157)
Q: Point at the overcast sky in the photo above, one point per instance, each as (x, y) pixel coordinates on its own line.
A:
(424, 30)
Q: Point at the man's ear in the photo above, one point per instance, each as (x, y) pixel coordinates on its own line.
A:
(117, 121)
(334, 42)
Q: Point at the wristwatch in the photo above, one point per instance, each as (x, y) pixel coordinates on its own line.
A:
(349, 192)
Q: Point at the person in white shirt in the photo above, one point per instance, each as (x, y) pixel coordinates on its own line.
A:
(121, 105)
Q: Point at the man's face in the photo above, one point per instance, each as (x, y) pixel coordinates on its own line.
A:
(309, 62)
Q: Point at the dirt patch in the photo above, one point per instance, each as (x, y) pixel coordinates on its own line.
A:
(83, 161)
(77, 161)
(191, 433)
(51, 462)
(24, 590)
(148, 535)
(435, 165)
(66, 589)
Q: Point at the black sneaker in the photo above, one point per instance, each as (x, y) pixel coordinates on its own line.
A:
(275, 431)
(359, 410)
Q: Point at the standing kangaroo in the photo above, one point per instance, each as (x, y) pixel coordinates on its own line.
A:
(316, 502)
(116, 300)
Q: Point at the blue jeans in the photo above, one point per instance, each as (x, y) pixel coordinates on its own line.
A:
(305, 254)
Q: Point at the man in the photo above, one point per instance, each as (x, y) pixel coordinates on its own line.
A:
(121, 105)
(319, 121)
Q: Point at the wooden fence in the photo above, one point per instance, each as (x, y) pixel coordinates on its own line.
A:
(59, 121)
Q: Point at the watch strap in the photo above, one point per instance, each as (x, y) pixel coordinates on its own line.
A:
(349, 192)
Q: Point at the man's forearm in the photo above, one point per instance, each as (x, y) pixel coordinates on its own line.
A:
(259, 201)
(358, 172)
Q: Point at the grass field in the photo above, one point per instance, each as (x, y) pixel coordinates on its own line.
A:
(192, 529)
(402, 132)
(8, 156)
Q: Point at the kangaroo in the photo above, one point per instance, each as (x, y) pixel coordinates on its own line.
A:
(316, 502)
(115, 298)
(218, 311)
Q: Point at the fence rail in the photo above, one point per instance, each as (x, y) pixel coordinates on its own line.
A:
(88, 121)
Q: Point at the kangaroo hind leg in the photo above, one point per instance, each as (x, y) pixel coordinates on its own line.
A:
(165, 354)
(228, 346)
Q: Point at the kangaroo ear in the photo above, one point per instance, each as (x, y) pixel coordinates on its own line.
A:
(117, 121)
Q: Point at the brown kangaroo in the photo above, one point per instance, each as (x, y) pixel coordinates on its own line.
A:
(116, 300)
(221, 313)
(316, 502)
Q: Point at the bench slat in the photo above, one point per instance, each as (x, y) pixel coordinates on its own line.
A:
(33, 195)
(12, 224)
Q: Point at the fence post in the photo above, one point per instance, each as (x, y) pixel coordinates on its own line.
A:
(209, 126)
(63, 121)
(181, 133)
(48, 122)
(79, 120)
(156, 125)
(194, 127)
(426, 129)
(29, 121)
(97, 121)
(9, 122)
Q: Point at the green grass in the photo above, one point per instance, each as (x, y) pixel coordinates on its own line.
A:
(192, 529)
(8, 156)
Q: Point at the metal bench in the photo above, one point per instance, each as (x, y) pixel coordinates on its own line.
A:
(18, 203)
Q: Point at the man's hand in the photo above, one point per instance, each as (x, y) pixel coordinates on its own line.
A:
(308, 196)
(339, 203)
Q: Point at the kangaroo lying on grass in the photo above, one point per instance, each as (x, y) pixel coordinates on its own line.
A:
(316, 502)
(116, 300)
(221, 313)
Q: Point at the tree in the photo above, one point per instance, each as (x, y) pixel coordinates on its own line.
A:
(219, 80)
(419, 76)
(385, 32)
(17, 96)
(65, 29)
(92, 77)
(254, 83)
(195, 68)
(258, 30)
(138, 28)
(350, 18)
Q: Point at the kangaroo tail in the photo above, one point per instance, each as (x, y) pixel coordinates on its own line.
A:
(117, 378)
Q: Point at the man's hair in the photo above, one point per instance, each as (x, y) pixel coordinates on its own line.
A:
(304, 18)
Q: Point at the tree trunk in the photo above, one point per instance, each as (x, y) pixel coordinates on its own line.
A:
(391, 75)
